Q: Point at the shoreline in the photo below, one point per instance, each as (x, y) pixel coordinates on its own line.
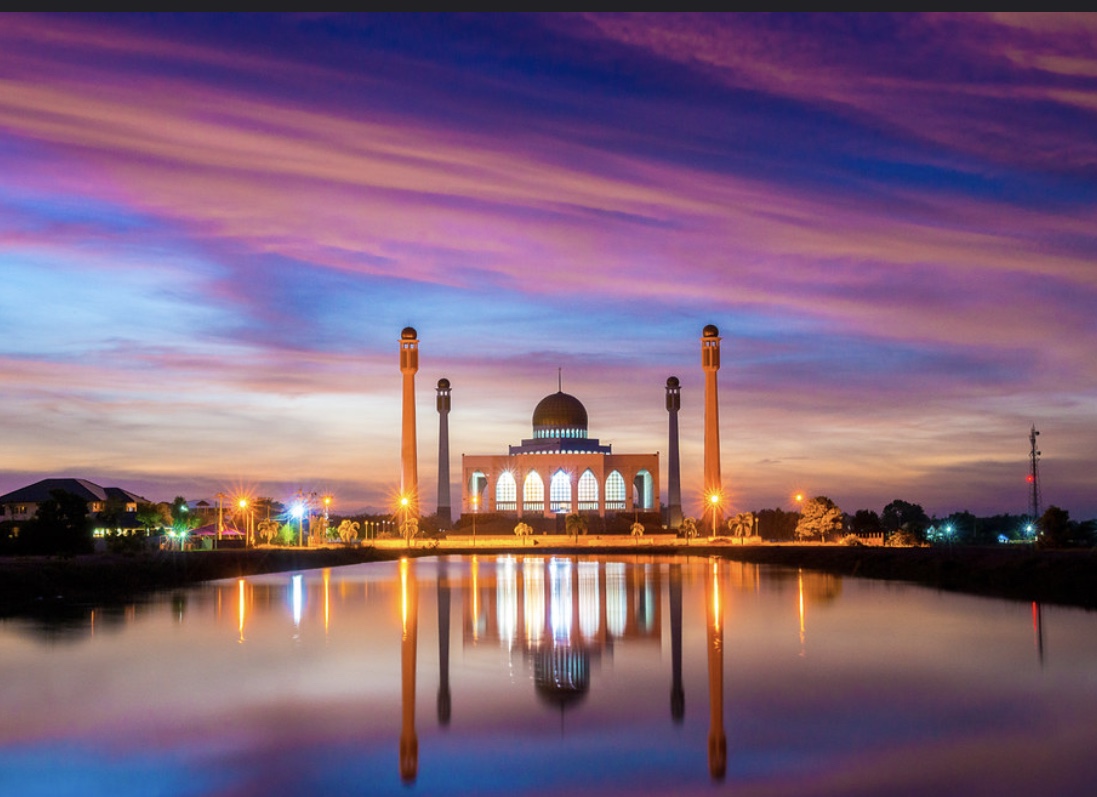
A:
(29, 585)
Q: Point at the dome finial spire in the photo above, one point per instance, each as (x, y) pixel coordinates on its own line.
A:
(559, 380)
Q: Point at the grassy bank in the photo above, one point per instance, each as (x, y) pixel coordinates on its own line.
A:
(1063, 577)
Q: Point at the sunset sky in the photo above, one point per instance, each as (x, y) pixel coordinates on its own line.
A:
(213, 228)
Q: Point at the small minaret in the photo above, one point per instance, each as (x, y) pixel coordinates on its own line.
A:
(710, 363)
(674, 475)
(409, 468)
(445, 513)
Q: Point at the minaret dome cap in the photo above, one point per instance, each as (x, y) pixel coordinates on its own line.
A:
(409, 333)
(672, 381)
(711, 331)
(443, 384)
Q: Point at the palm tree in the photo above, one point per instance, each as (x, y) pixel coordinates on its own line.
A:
(523, 530)
(742, 525)
(574, 524)
(637, 530)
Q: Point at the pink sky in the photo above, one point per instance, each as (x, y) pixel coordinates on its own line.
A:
(212, 230)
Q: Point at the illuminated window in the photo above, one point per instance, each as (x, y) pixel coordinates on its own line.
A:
(506, 493)
(560, 492)
(533, 493)
(615, 491)
(588, 491)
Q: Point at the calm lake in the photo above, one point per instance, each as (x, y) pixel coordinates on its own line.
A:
(547, 675)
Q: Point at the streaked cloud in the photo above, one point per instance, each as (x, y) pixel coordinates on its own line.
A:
(212, 250)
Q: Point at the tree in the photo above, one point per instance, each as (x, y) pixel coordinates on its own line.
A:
(348, 530)
(637, 531)
(318, 528)
(865, 521)
(959, 527)
(904, 516)
(182, 519)
(777, 524)
(153, 516)
(60, 525)
(818, 517)
(1055, 528)
(523, 530)
(688, 529)
(576, 524)
(742, 525)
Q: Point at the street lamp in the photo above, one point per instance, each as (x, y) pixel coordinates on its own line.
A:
(243, 504)
(327, 505)
(220, 515)
(404, 504)
(475, 505)
(298, 511)
(714, 499)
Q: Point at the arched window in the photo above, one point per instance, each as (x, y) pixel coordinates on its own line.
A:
(588, 492)
(506, 493)
(642, 497)
(560, 492)
(533, 493)
(615, 491)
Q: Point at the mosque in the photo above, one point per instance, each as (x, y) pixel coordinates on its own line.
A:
(560, 470)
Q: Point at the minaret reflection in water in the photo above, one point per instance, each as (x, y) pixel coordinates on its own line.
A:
(444, 699)
(717, 741)
(409, 608)
(677, 693)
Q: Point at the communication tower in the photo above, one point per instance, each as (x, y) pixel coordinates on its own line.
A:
(1034, 473)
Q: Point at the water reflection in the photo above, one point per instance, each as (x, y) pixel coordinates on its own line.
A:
(409, 640)
(543, 660)
(717, 740)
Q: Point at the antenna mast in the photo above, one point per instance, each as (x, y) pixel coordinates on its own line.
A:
(1034, 473)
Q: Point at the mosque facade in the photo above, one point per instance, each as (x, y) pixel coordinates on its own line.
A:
(560, 470)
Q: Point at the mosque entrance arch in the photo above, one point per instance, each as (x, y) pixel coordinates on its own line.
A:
(560, 492)
(643, 497)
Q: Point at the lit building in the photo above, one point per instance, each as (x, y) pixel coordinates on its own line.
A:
(22, 504)
(560, 470)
